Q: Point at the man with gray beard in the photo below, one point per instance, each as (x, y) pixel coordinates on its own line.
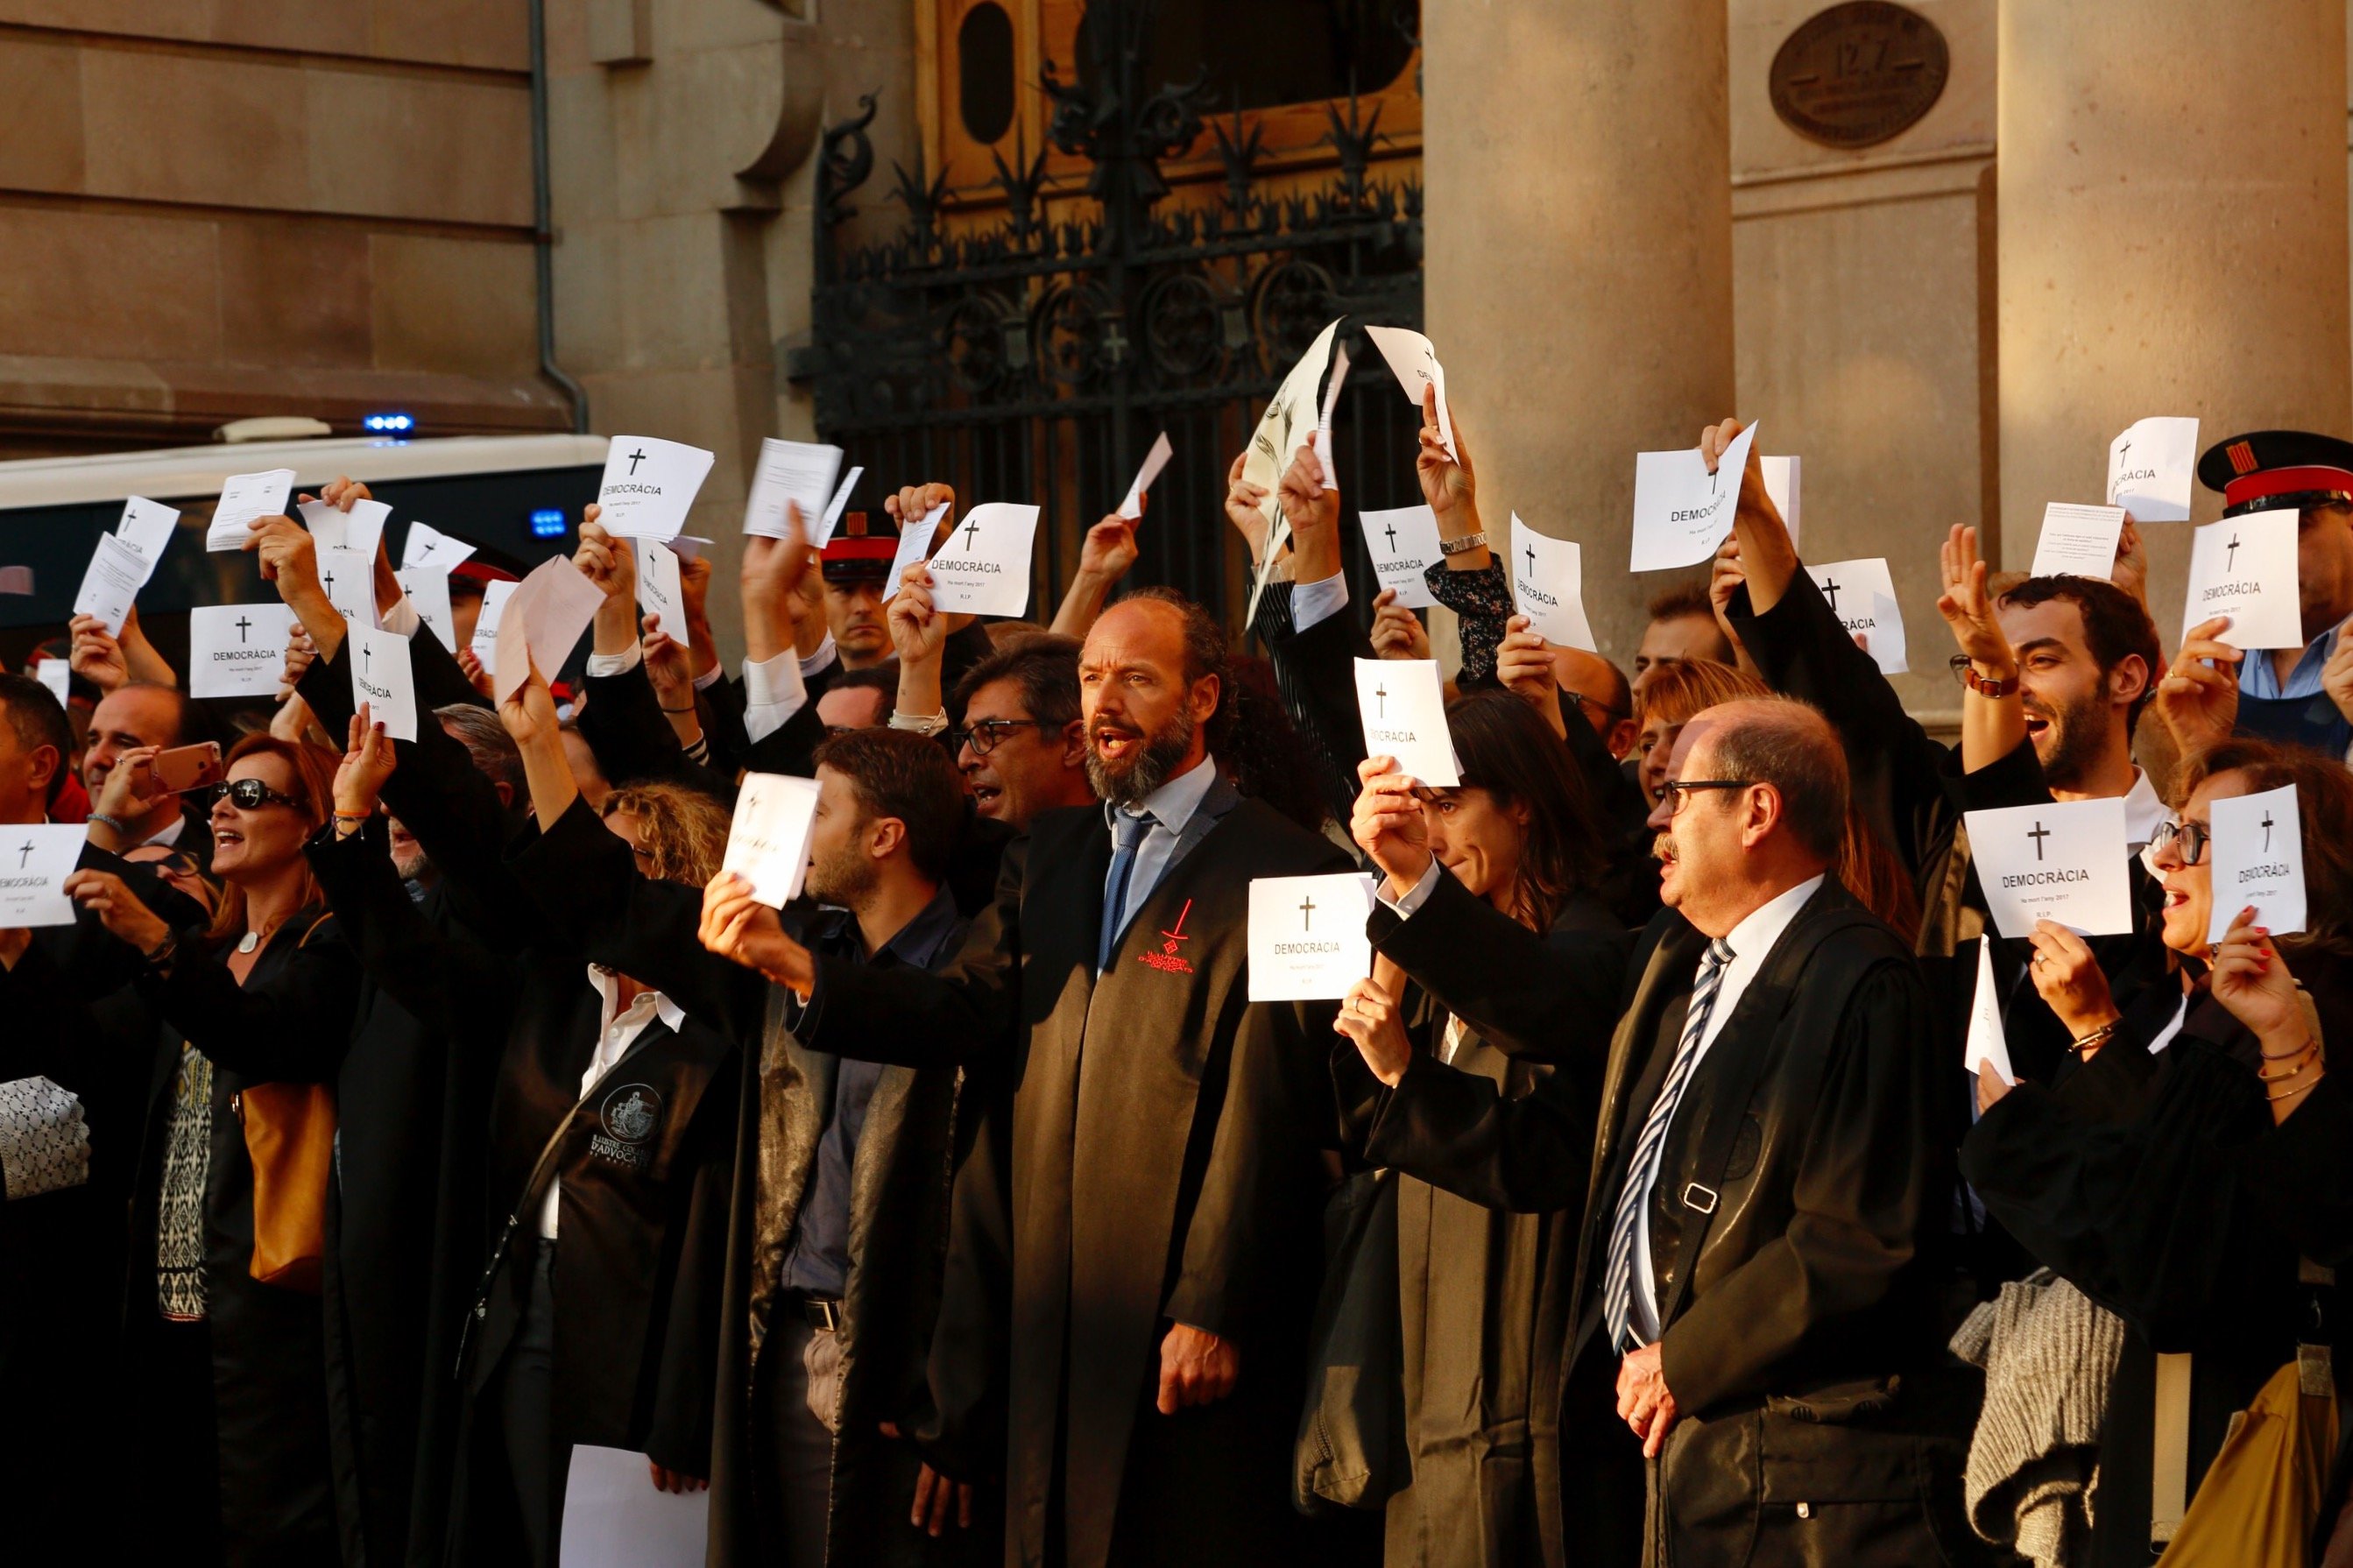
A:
(1124, 1345)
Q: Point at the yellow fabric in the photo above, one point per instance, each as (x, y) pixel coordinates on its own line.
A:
(290, 1136)
(2257, 1505)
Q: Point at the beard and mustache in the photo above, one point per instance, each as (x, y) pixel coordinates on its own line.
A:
(2074, 738)
(1152, 764)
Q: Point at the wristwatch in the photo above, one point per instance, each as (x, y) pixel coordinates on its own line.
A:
(1984, 688)
(1458, 546)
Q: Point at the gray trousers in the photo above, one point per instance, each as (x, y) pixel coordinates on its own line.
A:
(794, 1450)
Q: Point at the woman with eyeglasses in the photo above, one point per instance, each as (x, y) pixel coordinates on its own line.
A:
(2202, 1147)
(225, 1370)
(1509, 861)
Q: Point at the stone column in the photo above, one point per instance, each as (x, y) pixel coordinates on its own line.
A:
(2171, 239)
(1578, 280)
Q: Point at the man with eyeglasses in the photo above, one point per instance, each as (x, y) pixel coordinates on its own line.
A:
(1763, 1194)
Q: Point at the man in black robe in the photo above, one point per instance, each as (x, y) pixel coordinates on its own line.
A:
(1143, 1254)
(1755, 1263)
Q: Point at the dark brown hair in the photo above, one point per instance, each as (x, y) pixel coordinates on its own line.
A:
(1043, 664)
(1514, 755)
(2116, 629)
(2323, 809)
(899, 774)
(313, 768)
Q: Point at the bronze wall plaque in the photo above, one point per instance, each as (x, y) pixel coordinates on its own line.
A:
(1857, 75)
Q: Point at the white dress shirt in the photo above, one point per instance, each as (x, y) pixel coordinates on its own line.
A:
(1171, 805)
(1752, 943)
(2144, 812)
(1311, 603)
(617, 1031)
(773, 693)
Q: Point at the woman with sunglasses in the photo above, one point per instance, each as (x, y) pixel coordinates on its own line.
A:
(1509, 861)
(2201, 1146)
(225, 1370)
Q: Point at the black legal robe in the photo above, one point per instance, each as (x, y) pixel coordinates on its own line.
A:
(2157, 1184)
(1793, 1226)
(1161, 1161)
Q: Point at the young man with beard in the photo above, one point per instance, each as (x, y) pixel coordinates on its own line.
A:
(1124, 1345)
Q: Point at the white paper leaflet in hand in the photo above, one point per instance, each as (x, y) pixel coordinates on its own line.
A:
(984, 567)
(34, 861)
(1307, 941)
(1547, 584)
(649, 485)
(798, 473)
(427, 592)
(2255, 847)
(44, 1140)
(662, 589)
(2245, 568)
(485, 645)
(147, 527)
(1682, 511)
(56, 675)
(768, 843)
(542, 621)
(243, 500)
(1414, 361)
(1288, 413)
(835, 508)
(428, 547)
(110, 583)
(349, 578)
(238, 650)
(2078, 541)
(1324, 420)
(1153, 461)
(1403, 705)
(1403, 545)
(382, 678)
(1861, 594)
(2064, 862)
(360, 529)
(612, 1517)
(1988, 1041)
(2151, 467)
(914, 539)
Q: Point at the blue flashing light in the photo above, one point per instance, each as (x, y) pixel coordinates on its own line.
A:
(547, 522)
(389, 424)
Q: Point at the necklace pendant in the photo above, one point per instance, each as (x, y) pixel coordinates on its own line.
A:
(250, 941)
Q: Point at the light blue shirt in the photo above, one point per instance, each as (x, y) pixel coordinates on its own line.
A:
(2259, 679)
(1171, 805)
(1318, 600)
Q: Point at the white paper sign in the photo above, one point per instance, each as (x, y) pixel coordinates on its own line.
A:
(146, 527)
(1682, 511)
(2256, 849)
(382, 678)
(660, 591)
(1322, 442)
(2063, 862)
(2151, 467)
(835, 507)
(984, 567)
(35, 862)
(649, 485)
(612, 1517)
(800, 472)
(1403, 545)
(238, 650)
(542, 621)
(2078, 541)
(245, 497)
(429, 596)
(485, 645)
(913, 541)
(689, 546)
(1863, 595)
(1153, 461)
(1414, 361)
(56, 675)
(428, 546)
(768, 843)
(1549, 585)
(1780, 476)
(2245, 567)
(359, 529)
(1272, 444)
(1987, 1040)
(1307, 940)
(349, 578)
(110, 581)
(1403, 704)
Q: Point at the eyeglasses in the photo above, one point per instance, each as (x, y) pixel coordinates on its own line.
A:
(985, 736)
(246, 795)
(1607, 711)
(1675, 791)
(2192, 837)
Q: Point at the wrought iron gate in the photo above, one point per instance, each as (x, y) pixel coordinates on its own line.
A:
(1037, 360)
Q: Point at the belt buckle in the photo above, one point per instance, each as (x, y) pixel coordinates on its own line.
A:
(824, 1315)
(1699, 1198)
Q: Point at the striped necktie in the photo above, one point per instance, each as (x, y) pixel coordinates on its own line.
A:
(1642, 1171)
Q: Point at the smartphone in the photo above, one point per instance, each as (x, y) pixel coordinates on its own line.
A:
(185, 768)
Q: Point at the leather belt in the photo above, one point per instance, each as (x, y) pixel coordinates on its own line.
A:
(820, 1312)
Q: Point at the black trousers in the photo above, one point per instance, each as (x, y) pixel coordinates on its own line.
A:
(794, 1450)
(526, 1421)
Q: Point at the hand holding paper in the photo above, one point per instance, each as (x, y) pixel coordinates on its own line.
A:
(1547, 584)
(1307, 938)
(383, 679)
(1402, 702)
(243, 500)
(1682, 511)
(2064, 862)
(1155, 460)
(2256, 851)
(984, 566)
(1413, 360)
(2245, 568)
(1403, 545)
(799, 472)
(768, 843)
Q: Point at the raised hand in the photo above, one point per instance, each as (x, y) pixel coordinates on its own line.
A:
(95, 655)
(1109, 550)
(1397, 632)
(1967, 606)
(300, 654)
(529, 711)
(1523, 667)
(1450, 486)
(2197, 701)
(1386, 824)
(118, 908)
(342, 493)
(369, 759)
(129, 792)
(918, 631)
(2251, 980)
(1313, 515)
(607, 561)
(1243, 501)
(667, 668)
(470, 665)
(912, 503)
(287, 554)
(742, 929)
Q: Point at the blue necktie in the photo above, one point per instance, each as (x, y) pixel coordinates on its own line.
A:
(1127, 837)
(1642, 1171)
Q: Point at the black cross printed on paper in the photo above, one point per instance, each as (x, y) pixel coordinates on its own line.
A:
(1390, 528)
(2038, 835)
(368, 658)
(328, 577)
(242, 624)
(1381, 701)
(2230, 561)
(1307, 912)
(1830, 587)
(1532, 560)
(635, 458)
(23, 853)
(971, 528)
(2267, 832)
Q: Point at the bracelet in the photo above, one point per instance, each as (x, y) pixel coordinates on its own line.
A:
(1464, 545)
(1984, 687)
(687, 709)
(2311, 1058)
(354, 816)
(2093, 1041)
(2291, 1094)
(163, 953)
(116, 822)
(2309, 1044)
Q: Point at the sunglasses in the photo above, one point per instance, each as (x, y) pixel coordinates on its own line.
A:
(246, 795)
